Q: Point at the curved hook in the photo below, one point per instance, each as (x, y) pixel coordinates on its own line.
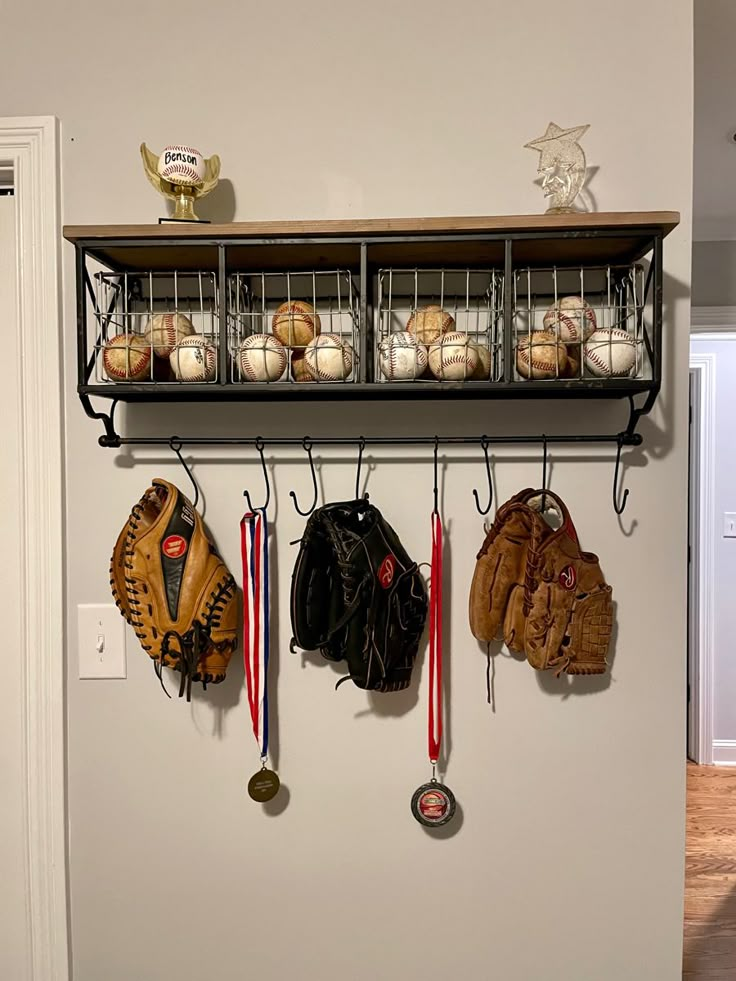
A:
(484, 444)
(260, 445)
(619, 509)
(361, 447)
(176, 444)
(435, 491)
(544, 471)
(306, 443)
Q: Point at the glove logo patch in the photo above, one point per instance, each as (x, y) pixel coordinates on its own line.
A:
(568, 577)
(174, 546)
(386, 572)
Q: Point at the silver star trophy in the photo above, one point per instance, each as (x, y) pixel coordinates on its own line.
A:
(561, 166)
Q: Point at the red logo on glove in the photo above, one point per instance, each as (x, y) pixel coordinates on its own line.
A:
(174, 546)
(386, 572)
(568, 577)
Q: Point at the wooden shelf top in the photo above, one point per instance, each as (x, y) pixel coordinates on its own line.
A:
(377, 227)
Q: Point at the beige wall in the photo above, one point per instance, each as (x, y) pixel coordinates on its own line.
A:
(567, 862)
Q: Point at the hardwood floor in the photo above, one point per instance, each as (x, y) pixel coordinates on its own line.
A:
(710, 877)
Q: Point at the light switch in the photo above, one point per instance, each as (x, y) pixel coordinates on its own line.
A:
(101, 638)
(729, 524)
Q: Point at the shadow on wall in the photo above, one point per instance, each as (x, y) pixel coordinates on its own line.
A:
(710, 943)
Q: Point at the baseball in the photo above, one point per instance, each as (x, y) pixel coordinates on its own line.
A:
(181, 165)
(299, 369)
(483, 368)
(262, 357)
(540, 355)
(572, 370)
(194, 359)
(400, 356)
(127, 357)
(165, 330)
(570, 319)
(427, 323)
(610, 353)
(453, 357)
(328, 358)
(296, 323)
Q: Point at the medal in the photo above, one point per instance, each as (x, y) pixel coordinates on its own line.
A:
(264, 784)
(433, 804)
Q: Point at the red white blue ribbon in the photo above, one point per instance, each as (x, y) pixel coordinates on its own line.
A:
(434, 724)
(254, 545)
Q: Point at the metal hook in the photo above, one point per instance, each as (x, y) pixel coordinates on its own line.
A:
(436, 495)
(484, 444)
(619, 509)
(306, 443)
(176, 444)
(544, 471)
(260, 445)
(361, 447)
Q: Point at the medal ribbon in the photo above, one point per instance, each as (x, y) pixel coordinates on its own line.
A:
(254, 547)
(434, 729)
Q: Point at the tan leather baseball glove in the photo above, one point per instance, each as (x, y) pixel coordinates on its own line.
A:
(173, 588)
(535, 585)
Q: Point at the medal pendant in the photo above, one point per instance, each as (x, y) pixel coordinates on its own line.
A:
(263, 785)
(433, 804)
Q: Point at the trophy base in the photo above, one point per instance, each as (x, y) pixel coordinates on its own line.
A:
(184, 221)
(560, 211)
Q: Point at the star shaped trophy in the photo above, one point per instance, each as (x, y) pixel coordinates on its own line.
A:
(561, 166)
(183, 175)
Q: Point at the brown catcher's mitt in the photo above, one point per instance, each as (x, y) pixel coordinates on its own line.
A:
(534, 583)
(174, 589)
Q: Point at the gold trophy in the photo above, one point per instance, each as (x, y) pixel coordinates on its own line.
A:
(181, 174)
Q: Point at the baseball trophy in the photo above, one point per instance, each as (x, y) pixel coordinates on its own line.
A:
(561, 166)
(183, 175)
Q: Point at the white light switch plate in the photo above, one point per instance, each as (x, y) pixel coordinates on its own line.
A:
(729, 524)
(101, 639)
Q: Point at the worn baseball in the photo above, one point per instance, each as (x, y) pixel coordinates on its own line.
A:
(453, 357)
(610, 353)
(540, 355)
(572, 369)
(181, 165)
(262, 357)
(483, 368)
(127, 357)
(329, 358)
(194, 359)
(165, 330)
(428, 323)
(296, 323)
(401, 356)
(299, 369)
(570, 319)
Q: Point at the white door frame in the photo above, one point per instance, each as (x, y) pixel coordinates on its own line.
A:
(31, 145)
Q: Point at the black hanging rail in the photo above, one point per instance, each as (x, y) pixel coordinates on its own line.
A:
(622, 438)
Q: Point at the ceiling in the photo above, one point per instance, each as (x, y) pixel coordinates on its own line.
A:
(714, 194)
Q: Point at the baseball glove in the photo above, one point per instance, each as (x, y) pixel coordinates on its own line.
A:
(534, 584)
(357, 596)
(173, 588)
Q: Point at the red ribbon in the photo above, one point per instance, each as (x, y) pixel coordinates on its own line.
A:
(434, 729)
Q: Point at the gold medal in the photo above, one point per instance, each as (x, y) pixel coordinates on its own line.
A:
(263, 785)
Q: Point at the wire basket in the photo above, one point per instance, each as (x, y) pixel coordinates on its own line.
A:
(582, 323)
(288, 328)
(153, 327)
(439, 325)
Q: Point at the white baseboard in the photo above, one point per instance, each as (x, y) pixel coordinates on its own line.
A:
(724, 752)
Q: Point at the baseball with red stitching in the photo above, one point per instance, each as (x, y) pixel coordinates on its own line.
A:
(194, 359)
(127, 357)
(429, 322)
(453, 357)
(401, 357)
(295, 323)
(164, 331)
(262, 357)
(540, 355)
(570, 319)
(180, 164)
(329, 358)
(483, 368)
(610, 353)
